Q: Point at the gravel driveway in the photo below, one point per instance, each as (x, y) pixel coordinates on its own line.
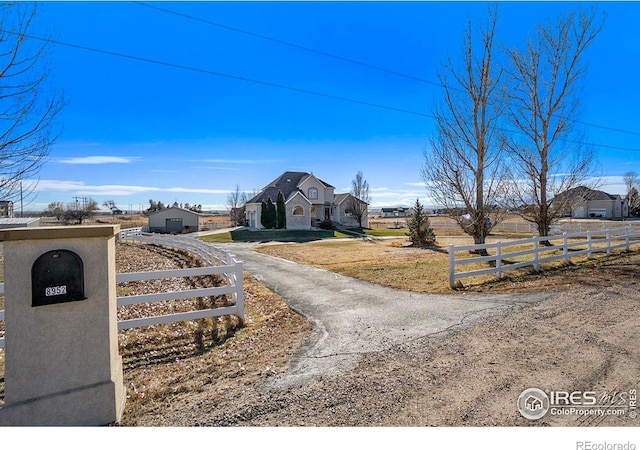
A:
(352, 317)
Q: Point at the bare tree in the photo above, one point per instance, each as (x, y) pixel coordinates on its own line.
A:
(463, 171)
(544, 104)
(79, 212)
(56, 209)
(28, 105)
(360, 199)
(234, 201)
(111, 205)
(633, 193)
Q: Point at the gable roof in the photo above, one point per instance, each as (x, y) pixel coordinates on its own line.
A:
(174, 208)
(584, 193)
(287, 183)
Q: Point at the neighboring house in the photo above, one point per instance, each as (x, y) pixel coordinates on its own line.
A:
(6, 208)
(174, 220)
(19, 222)
(399, 211)
(308, 202)
(585, 203)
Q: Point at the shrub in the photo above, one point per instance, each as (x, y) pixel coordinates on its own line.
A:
(326, 225)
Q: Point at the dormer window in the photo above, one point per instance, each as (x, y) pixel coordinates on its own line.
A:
(313, 194)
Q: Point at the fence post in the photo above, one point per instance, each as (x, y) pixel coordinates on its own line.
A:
(536, 253)
(452, 270)
(499, 260)
(239, 290)
(589, 252)
(628, 238)
(565, 248)
(608, 242)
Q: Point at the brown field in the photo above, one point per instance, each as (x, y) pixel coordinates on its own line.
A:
(387, 262)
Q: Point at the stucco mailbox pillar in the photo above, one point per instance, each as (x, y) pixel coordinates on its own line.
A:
(62, 366)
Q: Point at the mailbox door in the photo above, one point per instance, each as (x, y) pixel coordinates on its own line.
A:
(57, 276)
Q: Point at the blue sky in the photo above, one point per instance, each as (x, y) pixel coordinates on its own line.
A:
(190, 126)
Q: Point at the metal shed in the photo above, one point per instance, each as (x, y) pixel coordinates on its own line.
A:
(19, 222)
(174, 220)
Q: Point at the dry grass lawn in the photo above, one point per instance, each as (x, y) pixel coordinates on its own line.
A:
(387, 262)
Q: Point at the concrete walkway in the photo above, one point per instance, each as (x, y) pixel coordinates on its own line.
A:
(352, 317)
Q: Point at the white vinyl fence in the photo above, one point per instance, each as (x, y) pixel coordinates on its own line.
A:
(570, 245)
(217, 262)
(516, 227)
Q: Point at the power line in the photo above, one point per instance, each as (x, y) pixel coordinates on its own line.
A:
(275, 85)
(289, 44)
(338, 57)
(225, 75)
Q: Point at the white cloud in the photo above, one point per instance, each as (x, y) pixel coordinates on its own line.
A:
(100, 160)
(239, 161)
(118, 190)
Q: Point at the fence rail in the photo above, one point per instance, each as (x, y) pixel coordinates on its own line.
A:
(217, 262)
(517, 227)
(570, 246)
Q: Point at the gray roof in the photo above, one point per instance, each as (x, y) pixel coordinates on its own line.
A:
(287, 183)
(17, 220)
(583, 192)
(174, 208)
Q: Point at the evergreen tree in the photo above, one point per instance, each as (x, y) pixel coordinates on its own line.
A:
(271, 214)
(264, 214)
(420, 231)
(281, 213)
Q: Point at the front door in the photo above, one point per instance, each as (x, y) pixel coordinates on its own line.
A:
(327, 213)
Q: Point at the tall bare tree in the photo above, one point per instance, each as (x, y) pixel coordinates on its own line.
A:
(360, 199)
(463, 170)
(28, 105)
(544, 105)
(633, 193)
(236, 216)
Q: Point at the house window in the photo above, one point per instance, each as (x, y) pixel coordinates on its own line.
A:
(313, 194)
(298, 211)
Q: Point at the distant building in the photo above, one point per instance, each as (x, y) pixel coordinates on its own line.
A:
(585, 203)
(399, 211)
(19, 222)
(6, 208)
(174, 220)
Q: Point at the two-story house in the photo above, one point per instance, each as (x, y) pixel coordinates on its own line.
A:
(308, 202)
